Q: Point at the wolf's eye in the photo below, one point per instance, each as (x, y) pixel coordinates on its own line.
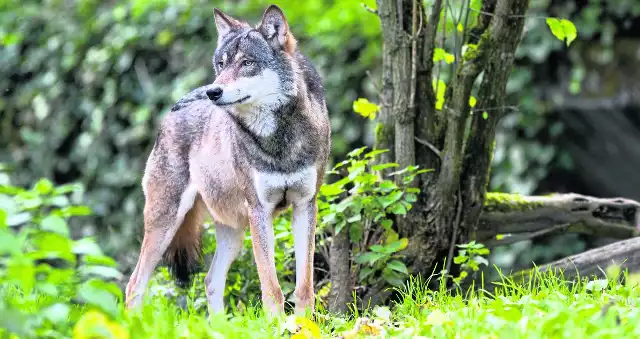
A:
(220, 64)
(247, 63)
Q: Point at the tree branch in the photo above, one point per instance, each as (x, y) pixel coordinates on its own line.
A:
(518, 217)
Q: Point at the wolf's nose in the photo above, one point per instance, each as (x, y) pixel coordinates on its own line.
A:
(214, 93)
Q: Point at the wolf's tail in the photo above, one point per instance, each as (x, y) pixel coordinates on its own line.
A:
(184, 255)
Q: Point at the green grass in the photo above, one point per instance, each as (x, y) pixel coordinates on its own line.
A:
(549, 308)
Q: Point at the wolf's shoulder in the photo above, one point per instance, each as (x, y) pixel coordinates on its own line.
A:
(311, 76)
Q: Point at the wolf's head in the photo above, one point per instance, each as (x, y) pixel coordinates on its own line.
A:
(253, 65)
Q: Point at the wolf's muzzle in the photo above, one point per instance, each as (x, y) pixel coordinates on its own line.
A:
(214, 93)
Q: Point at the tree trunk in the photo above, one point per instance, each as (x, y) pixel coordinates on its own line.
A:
(340, 272)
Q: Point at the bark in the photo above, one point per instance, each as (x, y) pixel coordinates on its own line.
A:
(403, 116)
(498, 48)
(340, 272)
(384, 131)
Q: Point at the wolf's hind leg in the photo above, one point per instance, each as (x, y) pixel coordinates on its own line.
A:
(168, 198)
(228, 245)
(304, 225)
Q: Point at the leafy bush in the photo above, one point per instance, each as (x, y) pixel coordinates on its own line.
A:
(47, 279)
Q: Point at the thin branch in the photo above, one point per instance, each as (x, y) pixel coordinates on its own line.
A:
(511, 239)
(430, 146)
(369, 9)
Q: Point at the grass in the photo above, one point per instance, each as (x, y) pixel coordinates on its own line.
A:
(549, 308)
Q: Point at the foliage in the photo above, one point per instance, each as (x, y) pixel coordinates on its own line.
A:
(470, 257)
(363, 204)
(47, 278)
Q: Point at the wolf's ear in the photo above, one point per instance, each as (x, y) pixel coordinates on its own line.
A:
(224, 23)
(275, 29)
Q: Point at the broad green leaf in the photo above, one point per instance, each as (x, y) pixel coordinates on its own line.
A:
(18, 219)
(86, 246)
(563, 29)
(355, 218)
(485, 115)
(364, 273)
(460, 259)
(95, 294)
(57, 313)
(398, 266)
(56, 224)
(398, 209)
(397, 245)
(103, 272)
(368, 257)
(384, 166)
(44, 186)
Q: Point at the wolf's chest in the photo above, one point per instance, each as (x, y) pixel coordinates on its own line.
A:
(273, 187)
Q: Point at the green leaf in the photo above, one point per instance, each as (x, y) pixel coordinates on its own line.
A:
(104, 272)
(485, 115)
(398, 266)
(386, 223)
(330, 190)
(398, 209)
(375, 153)
(460, 259)
(354, 218)
(365, 108)
(397, 245)
(18, 219)
(44, 186)
(562, 29)
(57, 313)
(3, 219)
(95, 293)
(56, 224)
(368, 257)
(364, 273)
(384, 166)
(86, 246)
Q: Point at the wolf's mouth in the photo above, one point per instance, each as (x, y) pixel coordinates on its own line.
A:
(239, 101)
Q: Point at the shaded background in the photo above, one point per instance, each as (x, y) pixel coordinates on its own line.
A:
(85, 83)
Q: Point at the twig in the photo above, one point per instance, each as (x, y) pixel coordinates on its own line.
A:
(373, 83)
(369, 9)
(430, 146)
(526, 236)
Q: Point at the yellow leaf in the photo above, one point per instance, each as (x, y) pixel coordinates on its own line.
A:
(94, 324)
(472, 101)
(499, 236)
(365, 108)
(460, 28)
(308, 328)
(440, 87)
(449, 58)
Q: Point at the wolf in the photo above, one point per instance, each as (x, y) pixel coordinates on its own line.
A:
(242, 149)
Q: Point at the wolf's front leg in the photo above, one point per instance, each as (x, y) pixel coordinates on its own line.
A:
(261, 224)
(304, 226)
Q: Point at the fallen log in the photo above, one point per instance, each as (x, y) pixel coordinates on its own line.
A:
(508, 218)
